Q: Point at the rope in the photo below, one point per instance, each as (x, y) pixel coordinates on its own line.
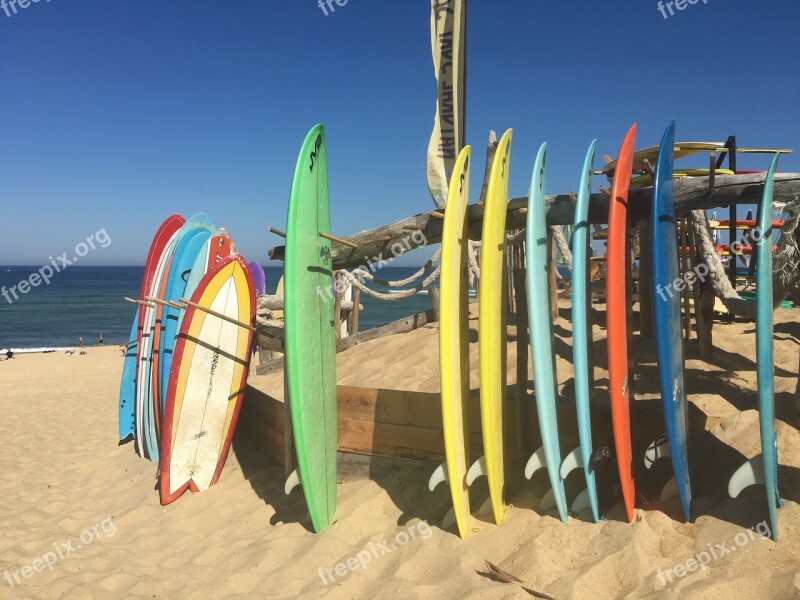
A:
(364, 274)
(396, 296)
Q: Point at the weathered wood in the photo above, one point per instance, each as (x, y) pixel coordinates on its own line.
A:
(690, 193)
(522, 342)
(357, 308)
(433, 294)
(400, 326)
(552, 276)
(645, 281)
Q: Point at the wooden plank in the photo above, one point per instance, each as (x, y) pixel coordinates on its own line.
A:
(521, 399)
(400, 326)
(690, 193)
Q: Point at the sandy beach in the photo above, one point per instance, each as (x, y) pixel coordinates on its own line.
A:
(81, 517)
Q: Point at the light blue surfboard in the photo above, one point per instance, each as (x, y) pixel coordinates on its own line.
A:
(763, 468)
(195, 238)
(667, 310)
(541, 338)
(127, 386)
(581, 457)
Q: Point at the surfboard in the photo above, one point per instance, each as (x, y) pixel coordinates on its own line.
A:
(667, 310)
(454, 347)
(150, 415)
(259, 278)
(646, 180)
(159, 249)
(197, 233)
(618, 289)
(680, 150)
(279, 292)
(492, 295)
(309, 331)
(207, 382)
(543, 352)
(581, 457)
(763, 468)
(127, 385)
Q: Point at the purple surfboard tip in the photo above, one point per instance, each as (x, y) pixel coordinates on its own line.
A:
(259, 279)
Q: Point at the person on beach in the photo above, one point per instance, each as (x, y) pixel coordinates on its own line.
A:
(100, 340)
(9, 354)
(80, 342)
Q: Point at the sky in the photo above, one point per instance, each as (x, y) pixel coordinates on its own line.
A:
(115, 114)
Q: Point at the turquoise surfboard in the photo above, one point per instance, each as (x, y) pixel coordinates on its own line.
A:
(127, 386)
(763, 468)
(541, 338)
(581, 457)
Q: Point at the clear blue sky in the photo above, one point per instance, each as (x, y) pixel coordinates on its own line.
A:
(118, 113)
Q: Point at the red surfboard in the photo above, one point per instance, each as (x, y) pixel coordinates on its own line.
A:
(618, 302)
(163, 236)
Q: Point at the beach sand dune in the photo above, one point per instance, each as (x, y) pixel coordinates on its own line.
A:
(65, 483)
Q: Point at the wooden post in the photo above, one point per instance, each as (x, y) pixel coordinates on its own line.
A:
(645, 281)
(684, 268)
(337, 306)
(552, 279)
(521, 302)
(356, 310)
(288, 434)
(433, 293)
(704, 309)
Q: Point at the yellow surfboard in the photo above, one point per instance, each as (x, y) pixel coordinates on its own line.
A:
(454, 347)
(643, 181)
(492, 296)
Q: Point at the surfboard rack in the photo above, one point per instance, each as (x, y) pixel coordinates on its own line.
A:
(140, 302)
(216, 314)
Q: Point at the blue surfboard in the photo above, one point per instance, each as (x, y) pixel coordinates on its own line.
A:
(667, 310)
(178, 286)
(763, 468)
(541, 338)
(127, 386)
(581, 457)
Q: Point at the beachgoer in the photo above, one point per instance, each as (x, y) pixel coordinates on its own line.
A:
(80, 342)
(9, 354)
(100, 340)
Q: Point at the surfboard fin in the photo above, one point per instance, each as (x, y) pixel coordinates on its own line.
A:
(292, 482)
(548, 501)
(486, 508)
(750, 473)
(669, 491)
(571, 462)
(535, 462)
(658, 449)
(580, 503)
(477, 469)
(438, 476)
(449, 519)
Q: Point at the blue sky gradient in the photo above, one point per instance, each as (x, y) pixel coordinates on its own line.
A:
(116, 114)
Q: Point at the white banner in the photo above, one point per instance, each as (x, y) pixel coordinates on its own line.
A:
(448, 42)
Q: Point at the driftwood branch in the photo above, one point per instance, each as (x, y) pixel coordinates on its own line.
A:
(691, 193)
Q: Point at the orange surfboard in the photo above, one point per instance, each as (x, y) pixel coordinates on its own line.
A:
(618, 285)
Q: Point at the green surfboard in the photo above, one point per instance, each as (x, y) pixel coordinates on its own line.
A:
(309, 329)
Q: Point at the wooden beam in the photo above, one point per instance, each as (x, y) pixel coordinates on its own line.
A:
(690, 193)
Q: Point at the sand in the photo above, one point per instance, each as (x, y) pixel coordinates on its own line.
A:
(63, 474)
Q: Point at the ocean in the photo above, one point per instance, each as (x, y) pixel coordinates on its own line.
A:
(83, 302)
